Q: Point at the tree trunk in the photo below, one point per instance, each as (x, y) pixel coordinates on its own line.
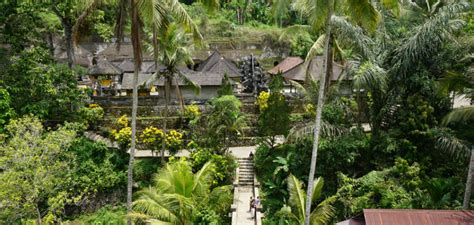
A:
(51, 43)
(135, 34)
(319, 109)
(69, 45)
(179, 95)
(330, 58)
(39, 214)
(470, 173)
(167, 100)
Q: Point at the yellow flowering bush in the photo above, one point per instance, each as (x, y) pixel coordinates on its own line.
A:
(192, 112)
(122, 121)
(123, 136)
(174, 141)
(152, 137)
(262, 100)
(93, 106)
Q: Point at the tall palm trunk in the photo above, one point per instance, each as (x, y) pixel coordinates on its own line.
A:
(165, 121)
(69, 42)
(319, 109)
(470, 173)
(135, 33)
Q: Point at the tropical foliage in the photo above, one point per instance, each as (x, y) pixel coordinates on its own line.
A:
(178, 195)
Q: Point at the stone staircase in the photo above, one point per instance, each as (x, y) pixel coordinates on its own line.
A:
(245, 172)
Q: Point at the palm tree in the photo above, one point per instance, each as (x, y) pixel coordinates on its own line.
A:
(458, 147)
(459, 115)
(148, 10)
(423, 41)
(225, 119)
(174, 53)
(323, 212)
(319, 14)
(72, 15)
(178, 194)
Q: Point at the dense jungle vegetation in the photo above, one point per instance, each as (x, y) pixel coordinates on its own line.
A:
(396, 142)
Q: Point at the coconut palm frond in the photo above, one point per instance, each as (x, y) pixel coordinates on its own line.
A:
(370, 76)
(177, 9)
(298, 133)
(355, 35)
(202, 179)
(297, 195)
(153, 13)
(153, 205)
(314, 10)
(449, 143)
(323, 213)
(285, 213)
(301, 90)
(317, 189)
(317, 48)
(220, 198)
(429, 37)
(459, 115)
(152, 79)
(371, 17)
(188, 82)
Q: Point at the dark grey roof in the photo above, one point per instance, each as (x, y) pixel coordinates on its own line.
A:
(127, 81)
(200, 78)
(151, 68)
(128, 65)
(104, 67)
(126, 52)
(218, 64)
(298, 73)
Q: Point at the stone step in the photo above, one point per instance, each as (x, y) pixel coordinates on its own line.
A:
(245, 181)
(246, 167)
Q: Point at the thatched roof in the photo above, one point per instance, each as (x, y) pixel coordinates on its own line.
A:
(298, 73)
(287, 64)
(104, 67)
(203, 79)
(82, 56)
(151, 68)
(218, 64)
(128, 65)
(126, 52)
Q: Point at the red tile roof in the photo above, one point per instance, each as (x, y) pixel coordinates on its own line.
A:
(287, 64)
(418, 217)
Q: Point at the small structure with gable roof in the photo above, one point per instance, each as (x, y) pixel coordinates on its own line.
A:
(105, 76)
(210, 83)
(216, 63)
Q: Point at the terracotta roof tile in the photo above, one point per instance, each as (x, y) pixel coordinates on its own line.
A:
(418, 217)
(287, 64)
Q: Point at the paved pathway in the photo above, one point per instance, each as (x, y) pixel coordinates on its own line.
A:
(238, 152)
(244, 217)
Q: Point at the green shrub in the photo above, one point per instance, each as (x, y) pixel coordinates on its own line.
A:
(144, 169)
(106, 216)
(225, 165)
(92, 114)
